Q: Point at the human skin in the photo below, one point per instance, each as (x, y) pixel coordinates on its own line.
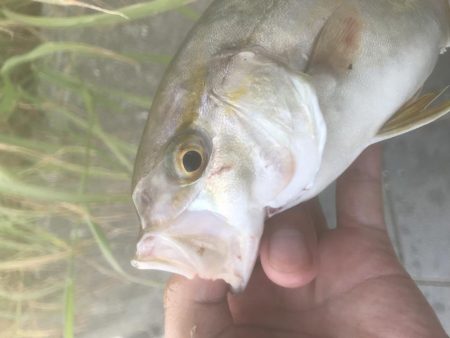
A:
(313, 282)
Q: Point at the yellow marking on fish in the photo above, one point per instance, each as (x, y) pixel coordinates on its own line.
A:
(235, 95)
(403, 5)
(238, 93)
(196, 88)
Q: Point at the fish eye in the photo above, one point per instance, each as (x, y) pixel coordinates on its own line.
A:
(188, 156)
(192, 161)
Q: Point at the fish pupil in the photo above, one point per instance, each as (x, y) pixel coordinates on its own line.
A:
(192, 161)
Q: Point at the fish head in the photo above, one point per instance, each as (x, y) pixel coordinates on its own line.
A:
(252, 147)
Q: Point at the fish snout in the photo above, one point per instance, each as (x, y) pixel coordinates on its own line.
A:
(162, 253)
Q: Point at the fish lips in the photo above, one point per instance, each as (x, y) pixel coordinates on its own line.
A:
(199, 243)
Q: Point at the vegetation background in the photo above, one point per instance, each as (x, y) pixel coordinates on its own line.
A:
(75, 87)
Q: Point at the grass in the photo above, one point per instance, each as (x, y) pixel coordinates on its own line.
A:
(52, 152)
(123, 15)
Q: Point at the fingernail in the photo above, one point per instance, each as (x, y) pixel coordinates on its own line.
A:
(288, 251)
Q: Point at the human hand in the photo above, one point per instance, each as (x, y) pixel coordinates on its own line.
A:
(313, 282)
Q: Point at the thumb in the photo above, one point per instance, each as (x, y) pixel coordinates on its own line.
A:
(197, 309)
(289, 245)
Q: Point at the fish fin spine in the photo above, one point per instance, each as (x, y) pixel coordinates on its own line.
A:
(414, 115)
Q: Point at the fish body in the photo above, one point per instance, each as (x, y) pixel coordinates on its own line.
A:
(264, 105)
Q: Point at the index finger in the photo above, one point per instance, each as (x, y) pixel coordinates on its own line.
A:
(197, 309)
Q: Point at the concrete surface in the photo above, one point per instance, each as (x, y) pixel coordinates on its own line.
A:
(417, 176)
(417, 186)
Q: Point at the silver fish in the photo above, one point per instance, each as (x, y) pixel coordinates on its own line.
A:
(265, 104)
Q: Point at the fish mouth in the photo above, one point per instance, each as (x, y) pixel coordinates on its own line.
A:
(199, 243)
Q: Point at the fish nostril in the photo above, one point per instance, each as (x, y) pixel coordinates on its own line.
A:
(144, 199)
(143, 205)
(146, 246)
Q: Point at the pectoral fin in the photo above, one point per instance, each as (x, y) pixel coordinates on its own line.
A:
(413, 115)
(339, 42)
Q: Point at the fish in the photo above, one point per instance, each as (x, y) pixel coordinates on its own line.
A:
(265, 104)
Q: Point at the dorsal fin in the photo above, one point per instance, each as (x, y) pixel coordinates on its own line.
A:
(414, 115)
(339, 42)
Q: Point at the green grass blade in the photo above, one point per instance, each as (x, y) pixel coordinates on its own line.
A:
(76, 3)
(105, 249)
(92, 120)
(52, 160)
(69, 303)
(49, 48)
(7, 244)
(103, 245)
(7, 315)
(32, 143)
(21, 234)
(32, 263)
(73, 83)
(9, 97)
(30, 295)
(10, 186)
(114, 145)
(133, 12)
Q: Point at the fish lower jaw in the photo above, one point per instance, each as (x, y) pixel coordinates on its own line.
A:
(200, 243)
(163, 265)
(231, 261)
(234, 279)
